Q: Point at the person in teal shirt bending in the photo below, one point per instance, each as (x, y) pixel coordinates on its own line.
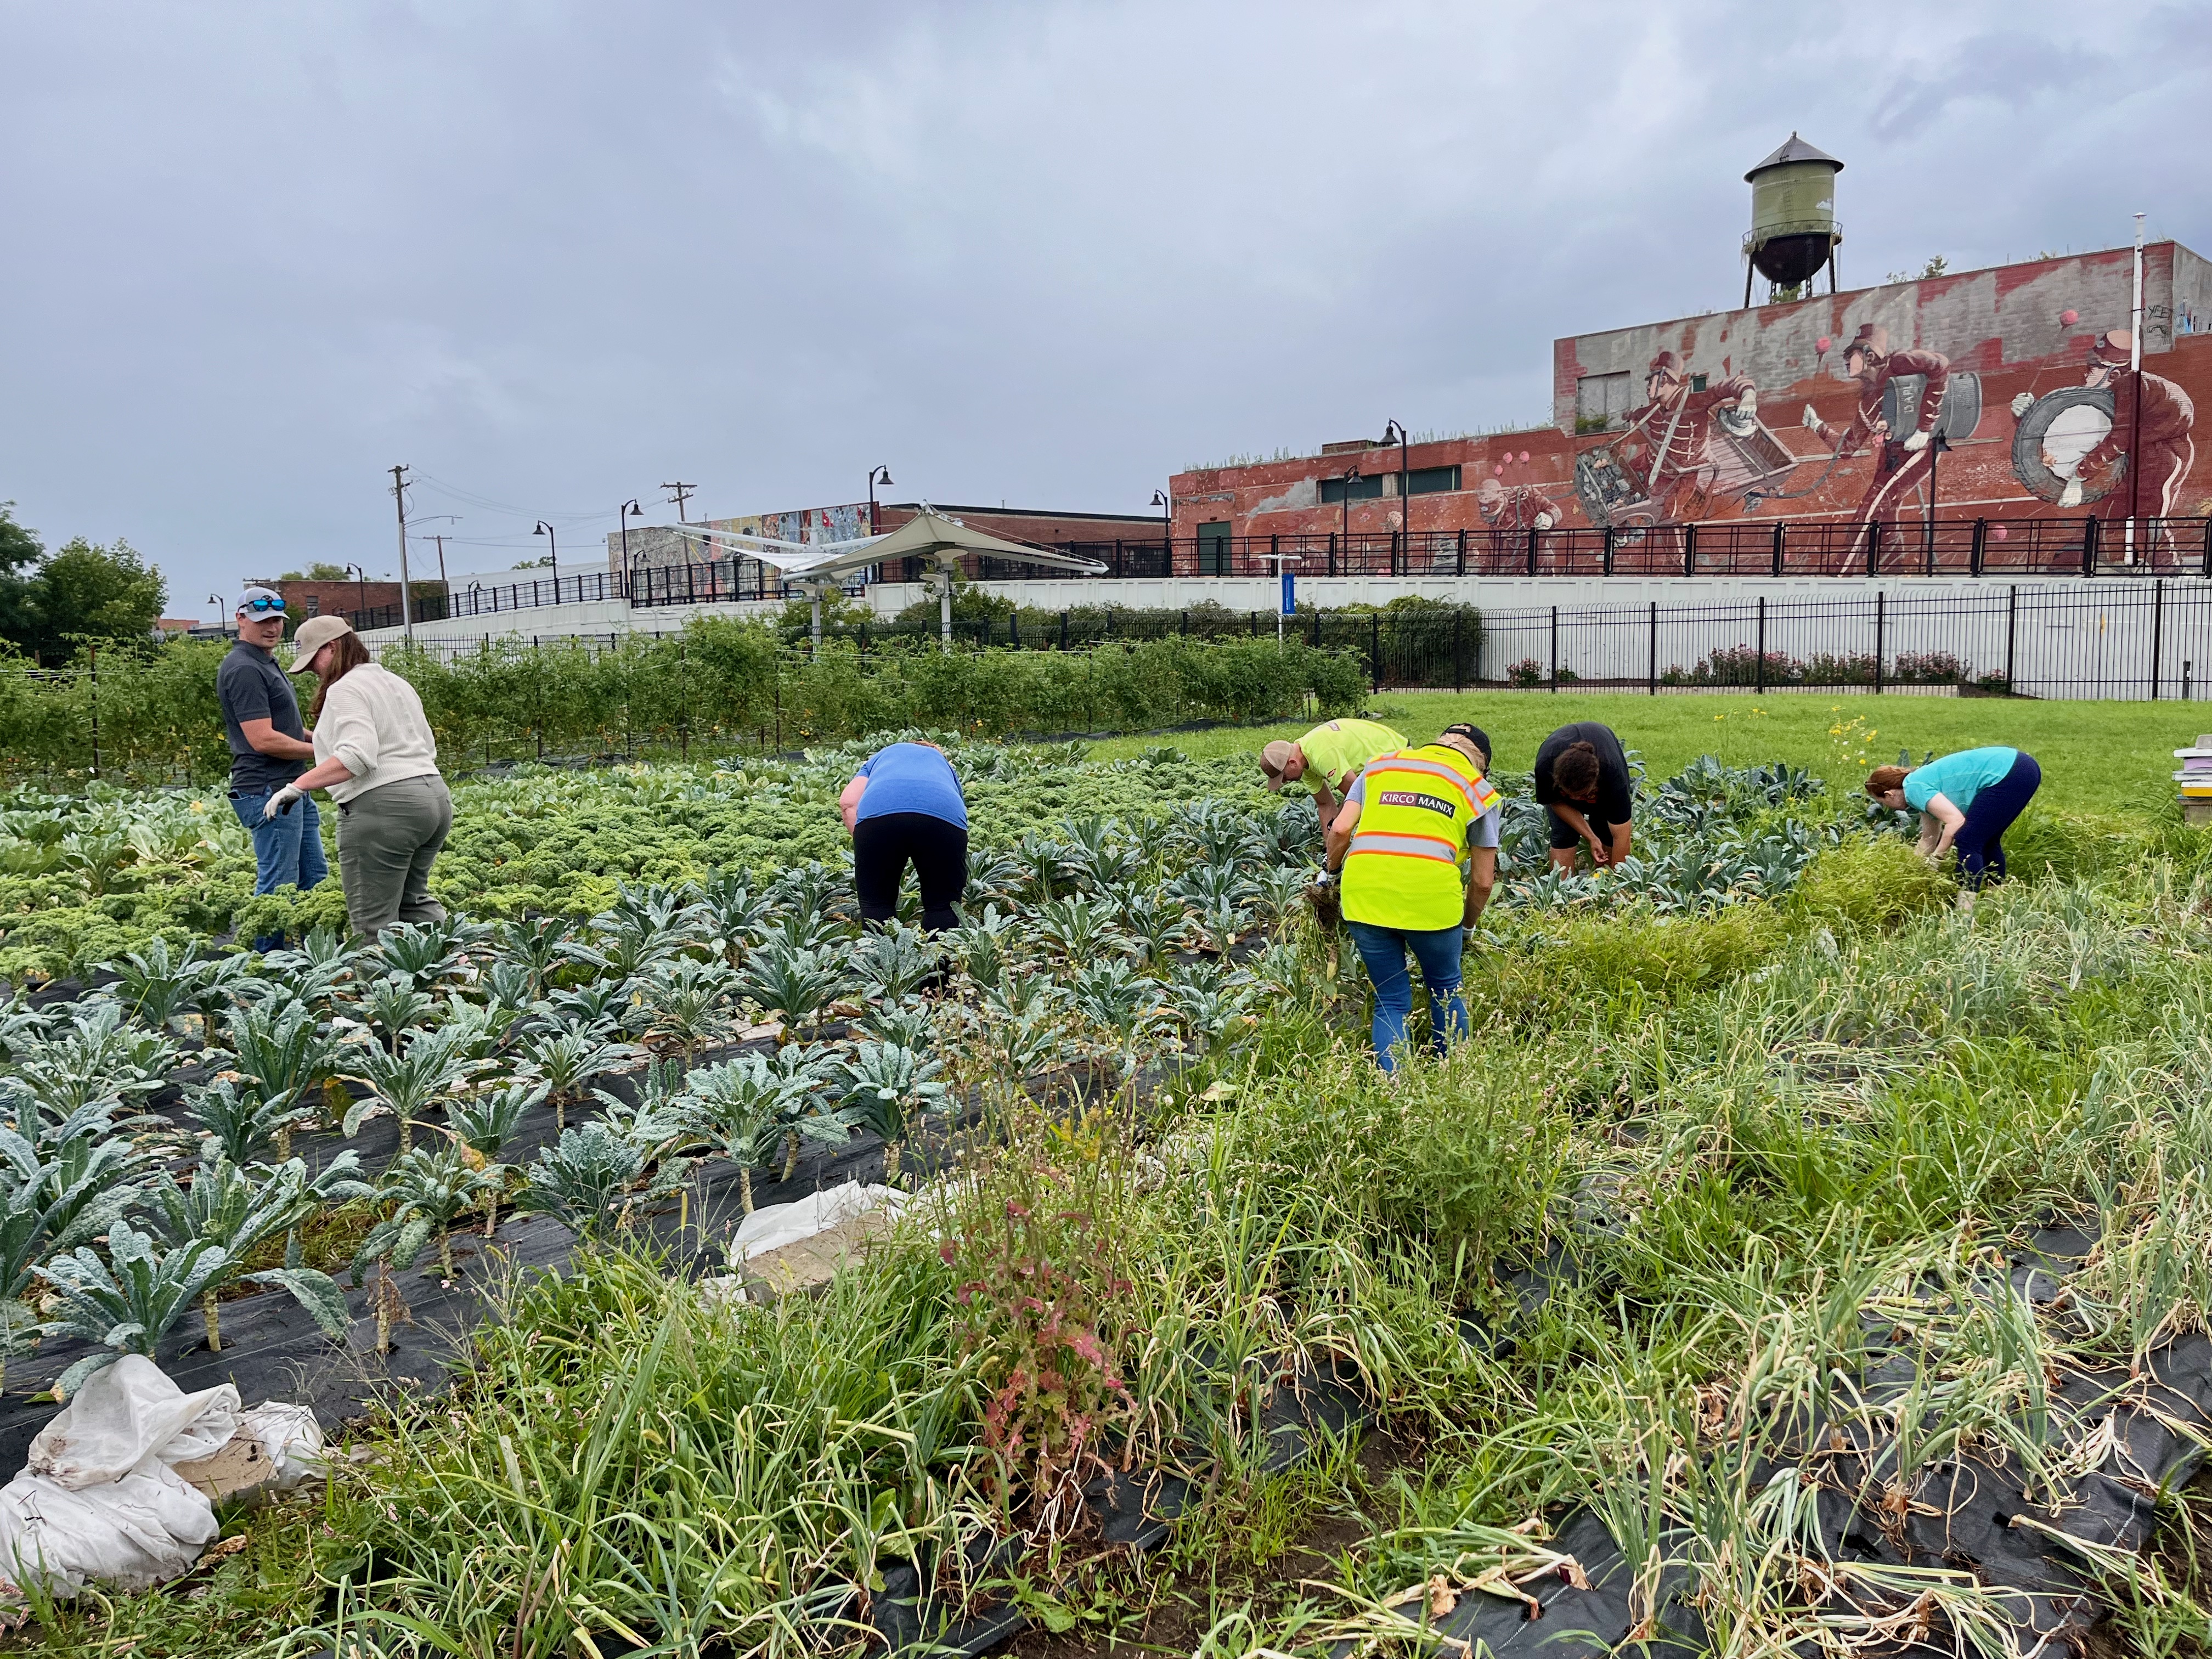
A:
(1967, 801)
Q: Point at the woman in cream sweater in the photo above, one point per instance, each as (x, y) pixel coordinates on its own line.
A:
(374, 753)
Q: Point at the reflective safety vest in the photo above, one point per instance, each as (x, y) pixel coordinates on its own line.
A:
(1402, 869)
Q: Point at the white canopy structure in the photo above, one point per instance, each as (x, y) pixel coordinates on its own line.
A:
(817, 567)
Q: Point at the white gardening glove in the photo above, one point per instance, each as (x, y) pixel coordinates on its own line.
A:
(1809, 421)
(1543, 522)
(2071, 495)
(2021, 403)
(1915, 443)
(1747, 405)
(280, 802)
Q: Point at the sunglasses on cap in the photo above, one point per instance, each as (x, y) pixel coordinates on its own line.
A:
(263, 607)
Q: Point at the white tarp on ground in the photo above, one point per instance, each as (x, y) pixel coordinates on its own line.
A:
(99, 1498)
(775, 1225)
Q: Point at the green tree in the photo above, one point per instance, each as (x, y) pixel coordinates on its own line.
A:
(51, 602)
(322, 570)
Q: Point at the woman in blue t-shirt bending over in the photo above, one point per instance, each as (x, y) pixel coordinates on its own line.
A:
(904, 805)
(1968, 800)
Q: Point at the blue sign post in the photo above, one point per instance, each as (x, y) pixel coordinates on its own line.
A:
(1290, 593)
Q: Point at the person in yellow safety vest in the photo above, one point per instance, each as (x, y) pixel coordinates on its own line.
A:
(1329, 757)
(1410, 822)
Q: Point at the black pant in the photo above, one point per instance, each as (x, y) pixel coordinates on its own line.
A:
(881, 847)
(1980, 839)
(1563, 836)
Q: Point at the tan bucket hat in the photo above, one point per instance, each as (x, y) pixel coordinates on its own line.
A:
(1273, 759)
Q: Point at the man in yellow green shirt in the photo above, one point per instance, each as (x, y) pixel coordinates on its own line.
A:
(1328, 757)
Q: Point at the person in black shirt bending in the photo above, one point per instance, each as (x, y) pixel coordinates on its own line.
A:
(1582, 780)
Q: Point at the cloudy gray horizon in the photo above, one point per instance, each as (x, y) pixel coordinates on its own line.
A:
(552, 255)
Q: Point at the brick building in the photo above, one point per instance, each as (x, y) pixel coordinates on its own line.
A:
(1753, 414)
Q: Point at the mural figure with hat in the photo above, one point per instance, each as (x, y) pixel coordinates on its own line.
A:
(2125, 447)
(1903, 464)
(1669, 447)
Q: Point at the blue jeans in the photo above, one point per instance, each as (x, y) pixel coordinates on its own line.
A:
(1383, 950)
(288, 849)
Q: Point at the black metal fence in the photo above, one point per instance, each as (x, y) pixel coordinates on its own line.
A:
(2122, 640)
(1998, 547)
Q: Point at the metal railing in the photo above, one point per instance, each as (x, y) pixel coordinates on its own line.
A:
(2089, 545)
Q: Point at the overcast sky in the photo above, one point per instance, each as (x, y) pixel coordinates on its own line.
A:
(551, 255)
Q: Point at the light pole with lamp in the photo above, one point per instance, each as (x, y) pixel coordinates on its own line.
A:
(1350, 478)
(1165, 502)
(623, 514)
(361, 591)
(881, 475)
(1396, 432)
(216, 601)
(554, 555)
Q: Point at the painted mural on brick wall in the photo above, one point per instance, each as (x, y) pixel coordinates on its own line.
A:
(2108, 441)
(2000, 395)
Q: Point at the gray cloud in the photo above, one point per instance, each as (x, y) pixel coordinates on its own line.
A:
(553, 254)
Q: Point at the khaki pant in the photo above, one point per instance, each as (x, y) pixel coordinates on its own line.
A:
(388, 838)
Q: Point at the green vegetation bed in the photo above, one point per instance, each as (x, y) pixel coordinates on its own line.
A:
(1746, 1174)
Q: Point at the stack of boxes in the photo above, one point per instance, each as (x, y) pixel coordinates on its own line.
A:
(2195, 778)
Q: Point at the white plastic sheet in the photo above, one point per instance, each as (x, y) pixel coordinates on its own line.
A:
(775, 1225)
(99, 1497)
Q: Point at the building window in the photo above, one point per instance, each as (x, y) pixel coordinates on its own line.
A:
(1697, 383)
(314, 602)
(1333, 490)
(1214, 548)
(1600, 401)
(1431, 480)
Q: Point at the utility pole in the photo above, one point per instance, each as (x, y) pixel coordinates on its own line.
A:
(399, 501)
(441, 539)
(2135, 375)
(684, 493)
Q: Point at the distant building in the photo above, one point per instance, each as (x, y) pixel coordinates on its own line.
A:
(680, 544)
(1706, 418)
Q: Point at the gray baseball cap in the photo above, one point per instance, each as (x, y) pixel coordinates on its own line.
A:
(260, 601)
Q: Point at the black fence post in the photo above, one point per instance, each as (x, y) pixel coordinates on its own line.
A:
(2089, 545)
(1532, 552)
(682, 705)
(91, 654)
(537, 687)
(1779, 526)
(2208, 546)
(1880, 600)
(1981, 547)
(1459, 618)
(1608, 550)
(2157, 630)
(1063, 630)
(1873, 547)
(1759, 681)
(1555, 635)
(1375, 650)
(1654, 647)
(2012, 621)
(1690, 550)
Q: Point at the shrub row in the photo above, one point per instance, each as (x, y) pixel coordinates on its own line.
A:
(722, 683)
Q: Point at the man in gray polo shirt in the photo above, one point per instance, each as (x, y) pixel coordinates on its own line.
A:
(269, 748)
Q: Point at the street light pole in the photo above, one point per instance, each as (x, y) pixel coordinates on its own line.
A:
(1350, 478)
(1405, 481)
(546, 530)
(881, 475)
(361, 592)
(1165, 501)
(623, 514)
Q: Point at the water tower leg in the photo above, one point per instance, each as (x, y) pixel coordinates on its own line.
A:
(1832, 270)
(1747, 284)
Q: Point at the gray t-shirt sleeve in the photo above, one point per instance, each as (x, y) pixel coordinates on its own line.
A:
(243, 691)
(1358, 790)
(1483, 832)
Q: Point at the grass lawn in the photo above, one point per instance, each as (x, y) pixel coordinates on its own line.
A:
(2096, 757)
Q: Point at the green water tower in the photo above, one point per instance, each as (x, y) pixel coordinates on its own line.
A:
(1794, 231)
